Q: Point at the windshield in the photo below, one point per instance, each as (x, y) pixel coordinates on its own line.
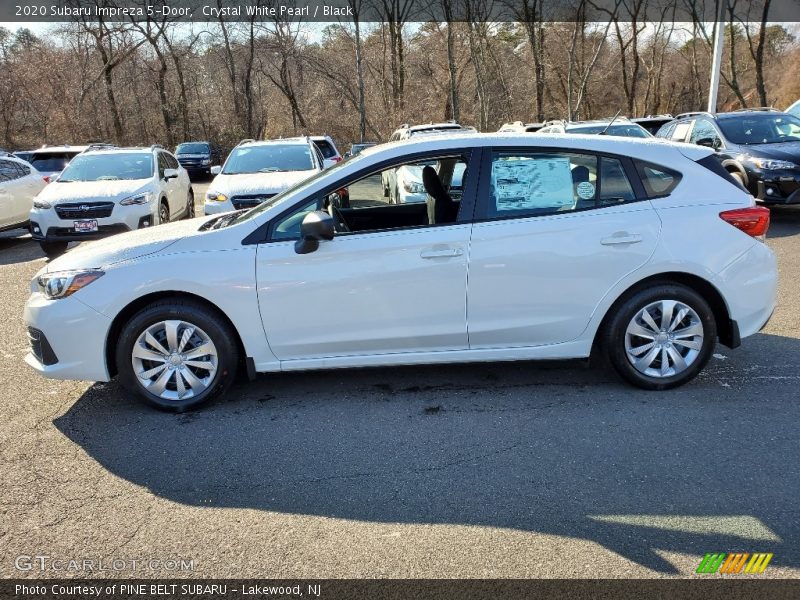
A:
(109, 167)
(51, 161)
(292, 191)
(624, 130)
(269, 158)
(192, 148)
(769, 128)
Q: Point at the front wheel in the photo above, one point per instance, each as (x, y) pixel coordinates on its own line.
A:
(190, 204)
(661, 337)
(163, 212)
(177, 354)
(53, 249)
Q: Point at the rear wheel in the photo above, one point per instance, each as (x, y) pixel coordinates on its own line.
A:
(53, 249)
(177, 354)
(661, 337)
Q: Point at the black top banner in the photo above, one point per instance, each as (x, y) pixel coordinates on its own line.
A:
(366, 11)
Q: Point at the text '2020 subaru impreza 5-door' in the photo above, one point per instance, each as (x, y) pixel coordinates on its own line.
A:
(553, 246)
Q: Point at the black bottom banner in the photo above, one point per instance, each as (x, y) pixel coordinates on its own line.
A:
(399, 589)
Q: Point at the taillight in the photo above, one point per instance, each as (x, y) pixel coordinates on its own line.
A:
(46, 178)
(754, 221)
(336, 159)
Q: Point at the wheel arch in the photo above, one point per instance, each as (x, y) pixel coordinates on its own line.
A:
(727, 330)
(124, 315)
(732, 166)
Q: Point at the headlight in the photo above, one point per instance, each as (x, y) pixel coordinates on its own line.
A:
(41, 204)
(65, 283)
(413, 187)
(137, 199)
(770, 164)
(205, 161)
(215, 197)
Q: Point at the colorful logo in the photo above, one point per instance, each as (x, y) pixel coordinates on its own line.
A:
(731, 564)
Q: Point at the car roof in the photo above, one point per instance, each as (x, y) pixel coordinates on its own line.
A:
(293, 141)
(651, 146)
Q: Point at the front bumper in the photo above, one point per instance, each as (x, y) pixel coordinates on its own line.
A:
(782, 187)
(47, 226)
(71, 339)
(216, 208)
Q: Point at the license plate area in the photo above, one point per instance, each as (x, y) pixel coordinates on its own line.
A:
(87, 226)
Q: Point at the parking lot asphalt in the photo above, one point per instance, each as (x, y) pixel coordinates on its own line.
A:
(484, 470)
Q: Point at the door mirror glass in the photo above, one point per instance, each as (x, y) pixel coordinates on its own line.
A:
(316, 226)
(170, 173)
(216, 170)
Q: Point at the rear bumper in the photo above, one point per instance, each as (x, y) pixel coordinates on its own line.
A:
(750, 285)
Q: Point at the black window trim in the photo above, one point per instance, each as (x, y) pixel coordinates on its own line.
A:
(484, 197)
(466, 213)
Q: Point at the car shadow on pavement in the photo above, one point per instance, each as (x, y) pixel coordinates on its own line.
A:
(18, 247)
(541, 447)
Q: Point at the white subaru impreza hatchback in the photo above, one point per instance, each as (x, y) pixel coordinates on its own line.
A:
(555, 246)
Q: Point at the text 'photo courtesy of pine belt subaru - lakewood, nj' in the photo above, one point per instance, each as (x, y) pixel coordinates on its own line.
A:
(557, 246)
(107, 191)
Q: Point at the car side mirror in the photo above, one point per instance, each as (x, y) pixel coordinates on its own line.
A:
(170, 173)
(216, 170)
(316, 226)
(713, 143)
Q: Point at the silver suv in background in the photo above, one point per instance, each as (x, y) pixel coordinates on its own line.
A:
(102, 192)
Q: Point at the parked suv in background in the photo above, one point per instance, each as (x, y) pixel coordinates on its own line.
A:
(51, 160)
(102, 192)
(759, 148)
(404, 185)
(257, 171)
(520, 127)
(19, 184)
(621, 126)
(330, 153)
(198, 157)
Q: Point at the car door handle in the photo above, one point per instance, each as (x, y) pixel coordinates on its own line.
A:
(621, 237)
(446, 252)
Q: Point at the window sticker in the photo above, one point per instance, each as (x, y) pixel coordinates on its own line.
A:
(586, 190)
(522, 183)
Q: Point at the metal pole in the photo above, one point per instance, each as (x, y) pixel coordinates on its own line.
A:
(716, 64)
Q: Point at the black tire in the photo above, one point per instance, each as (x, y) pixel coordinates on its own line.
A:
(53, 249)
(198, 315)
(190, 205)
(163, 212)
(612, 341)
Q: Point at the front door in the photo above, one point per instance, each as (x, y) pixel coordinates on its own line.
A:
(394, 283)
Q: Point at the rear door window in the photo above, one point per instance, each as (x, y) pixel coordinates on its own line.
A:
(8, 170)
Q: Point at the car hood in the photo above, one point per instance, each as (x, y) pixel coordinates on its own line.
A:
(255, 183)
(783, 151)
(126, 246)
(92, 190)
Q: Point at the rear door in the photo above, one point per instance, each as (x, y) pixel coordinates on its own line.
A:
(554, 231)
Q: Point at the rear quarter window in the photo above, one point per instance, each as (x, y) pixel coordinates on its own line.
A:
(657, 181)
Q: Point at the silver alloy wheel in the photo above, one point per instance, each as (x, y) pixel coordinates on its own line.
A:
(664, 338)
(174, 360)
(163, 213)
(190, 205)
